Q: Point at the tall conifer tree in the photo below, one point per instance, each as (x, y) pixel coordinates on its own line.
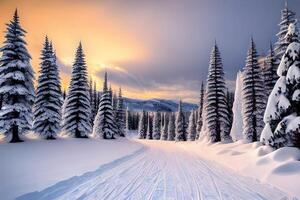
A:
(77, 112)
(16, 82)
(48, 101)
(216, 114)
(253, 96)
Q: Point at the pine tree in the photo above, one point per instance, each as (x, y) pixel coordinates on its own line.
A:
(171, 127)
(229, 100)
(287, 17)
(149, 128)
(141, 127)
(129, 123)
(16, 83)
(191, 127)
(156, 126)
(77, 112)
(121, 114)
(104, 124)
(270, 75)
(200, 111)
(253, 96)
(95, 99)
(91, 93)
(48, 101)
(237, 124)
(282, 115)
(180, 126)
(217, 116)
(164, 131)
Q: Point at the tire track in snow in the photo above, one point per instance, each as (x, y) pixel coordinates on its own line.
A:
(161, 170)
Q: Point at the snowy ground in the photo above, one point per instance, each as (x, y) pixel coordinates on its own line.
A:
(143, 169)
(37, 164)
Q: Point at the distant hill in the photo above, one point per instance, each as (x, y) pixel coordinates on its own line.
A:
(156, 105)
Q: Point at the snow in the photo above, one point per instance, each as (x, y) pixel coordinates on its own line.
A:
(70, 168)
(37, 164)
(280, 168)
(237, 125)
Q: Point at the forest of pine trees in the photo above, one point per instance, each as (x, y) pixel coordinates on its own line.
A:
(264, 107)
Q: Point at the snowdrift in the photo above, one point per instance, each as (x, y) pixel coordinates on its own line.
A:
(280, 168)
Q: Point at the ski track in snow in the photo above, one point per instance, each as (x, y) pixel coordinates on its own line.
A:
(160, 170)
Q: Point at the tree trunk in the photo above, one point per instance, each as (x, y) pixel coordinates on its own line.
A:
(50, 137)
(15, 135)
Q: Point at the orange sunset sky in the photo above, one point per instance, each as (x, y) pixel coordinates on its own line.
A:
(106, 42)
(152, 48)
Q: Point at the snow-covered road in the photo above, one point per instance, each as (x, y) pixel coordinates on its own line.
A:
(160, 170)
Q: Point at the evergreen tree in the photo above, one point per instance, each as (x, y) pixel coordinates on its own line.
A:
(217, 116)
(282, 116)
(192, 127)
(287, 17)
(48, 101)
(141, 127)
(253, 96)
(156, 126)
(200, 111)
(270, 75)
(171, 127)
(91, 92)
(164, 132)
(121, 114)
(16, 83)
(180, 127)
(77, 111)
(149, 128)
(95, 99)
(229, 100)
(128, 120)
(104, 124)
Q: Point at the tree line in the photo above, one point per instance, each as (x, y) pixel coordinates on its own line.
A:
(46, 110)
(266, 106)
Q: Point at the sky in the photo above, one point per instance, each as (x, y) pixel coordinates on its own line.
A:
(152, 49)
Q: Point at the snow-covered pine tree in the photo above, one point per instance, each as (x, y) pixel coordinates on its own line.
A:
(91, 92)
(95, 99)
(270, 74)
(164, 131)
(128, 120)
(199, 112)
(121, 114)
(229, 100)
(282, 115)
(149, 135)
(16, 83)
(171, 127)
(156, 126)
(180, 127)
(287, 17)
(77, 112)
(216, 112)
(48, 101)
(104, 124)
(191, 127)
(141, 127)
(236, 132)
(253, 96)
(115, 103)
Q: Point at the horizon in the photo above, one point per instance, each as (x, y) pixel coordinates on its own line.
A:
(152, 50)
